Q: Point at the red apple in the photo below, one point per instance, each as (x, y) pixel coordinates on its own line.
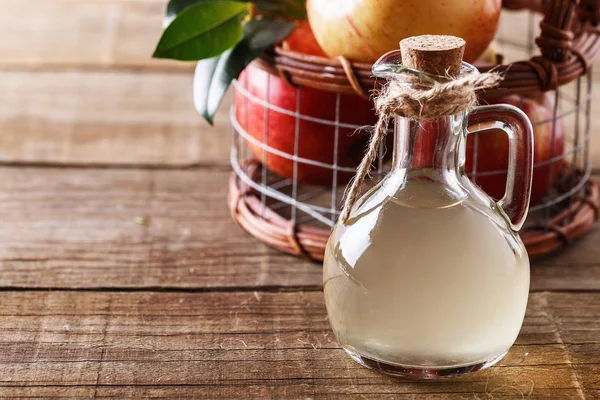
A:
(492, 149)
(316, 139)
(316, 142)
(302, 40)
(363, 30)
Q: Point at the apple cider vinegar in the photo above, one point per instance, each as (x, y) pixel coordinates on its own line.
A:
(419, 278)
(425, 275)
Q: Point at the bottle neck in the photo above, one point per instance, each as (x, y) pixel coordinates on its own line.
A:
(432, 148)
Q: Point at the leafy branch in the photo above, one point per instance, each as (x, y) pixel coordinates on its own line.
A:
(224, 36)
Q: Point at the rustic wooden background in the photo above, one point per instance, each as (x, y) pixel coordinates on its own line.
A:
(122, 274)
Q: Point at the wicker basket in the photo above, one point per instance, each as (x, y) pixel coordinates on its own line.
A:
(297, 218)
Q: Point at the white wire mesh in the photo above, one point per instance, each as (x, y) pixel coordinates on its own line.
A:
(304, 203)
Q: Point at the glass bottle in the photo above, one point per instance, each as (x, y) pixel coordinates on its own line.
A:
(429, 278)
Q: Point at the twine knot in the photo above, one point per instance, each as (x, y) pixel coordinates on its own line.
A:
(410, 95)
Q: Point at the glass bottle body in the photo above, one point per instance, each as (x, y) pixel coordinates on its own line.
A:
(428, 277)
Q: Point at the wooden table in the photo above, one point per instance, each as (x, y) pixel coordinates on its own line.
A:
(122, 274)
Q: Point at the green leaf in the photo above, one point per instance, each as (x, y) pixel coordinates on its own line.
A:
(213, 76)
(174, 7)
(205, 104)
(203, 30)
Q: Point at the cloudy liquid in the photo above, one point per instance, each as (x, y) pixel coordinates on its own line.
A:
(420, 279)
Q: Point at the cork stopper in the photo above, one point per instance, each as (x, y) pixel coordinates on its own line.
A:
(435, 54)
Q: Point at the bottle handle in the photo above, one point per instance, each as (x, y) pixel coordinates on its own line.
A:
(517, 126)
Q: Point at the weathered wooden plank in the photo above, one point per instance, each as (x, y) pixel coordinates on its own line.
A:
(275, 390)
(82, 34)
(258, 344)
(106, 117)
(80, 228)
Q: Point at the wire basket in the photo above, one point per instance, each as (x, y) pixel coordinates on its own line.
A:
(291, 161)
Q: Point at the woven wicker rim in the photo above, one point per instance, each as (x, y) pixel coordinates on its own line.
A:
(567, 49)
(569, 42)
(271, 228)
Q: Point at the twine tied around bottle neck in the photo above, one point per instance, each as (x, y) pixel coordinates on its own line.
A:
(410, 96)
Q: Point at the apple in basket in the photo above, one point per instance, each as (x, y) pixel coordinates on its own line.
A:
(492, 148)
(364, 30)
(302, 40)
(225, 37)
(266, 108)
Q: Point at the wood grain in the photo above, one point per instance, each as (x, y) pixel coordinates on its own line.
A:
(257, 344)
(106, 117)
(80, 86)
(80, 228)
(122, 274)
(88, 34)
